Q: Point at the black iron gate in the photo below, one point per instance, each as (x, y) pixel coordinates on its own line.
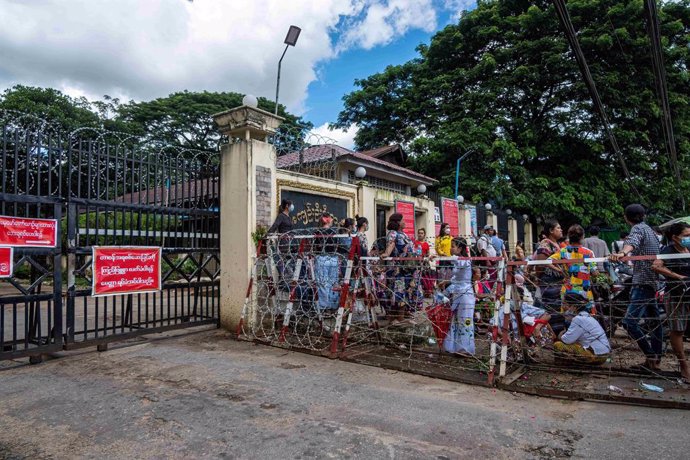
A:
(105, 189)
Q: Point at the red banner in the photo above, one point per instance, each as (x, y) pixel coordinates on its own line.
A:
(449, 208)
(125, 270)
(406, 208)
(6, 262)
(20, 231)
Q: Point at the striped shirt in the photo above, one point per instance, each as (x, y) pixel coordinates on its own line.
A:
(645, 243)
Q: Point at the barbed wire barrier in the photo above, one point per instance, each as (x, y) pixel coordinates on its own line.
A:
(317, 290)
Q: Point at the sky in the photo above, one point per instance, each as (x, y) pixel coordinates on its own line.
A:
(144, 49)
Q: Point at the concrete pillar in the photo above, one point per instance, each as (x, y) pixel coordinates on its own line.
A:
(512, 235)
(465, 221)
(244, 161)
(492, 219)
(529, 247)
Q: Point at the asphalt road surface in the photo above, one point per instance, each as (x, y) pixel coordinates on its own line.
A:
(204, 395)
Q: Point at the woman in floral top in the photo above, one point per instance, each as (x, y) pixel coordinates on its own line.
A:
(548, 279)
(578, 276)
(398, 245)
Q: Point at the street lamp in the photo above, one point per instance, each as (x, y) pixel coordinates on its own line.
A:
(457, 169)
(421, 189)
(360, 172)
(290, 40)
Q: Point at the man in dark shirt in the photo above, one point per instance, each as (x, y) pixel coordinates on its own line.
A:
(642, 241)
(283, 223)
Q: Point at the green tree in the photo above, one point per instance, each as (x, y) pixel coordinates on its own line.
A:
(185, 118)
(503, 82)
(61, 111)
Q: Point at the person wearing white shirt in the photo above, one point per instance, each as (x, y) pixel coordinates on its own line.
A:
(584, 341)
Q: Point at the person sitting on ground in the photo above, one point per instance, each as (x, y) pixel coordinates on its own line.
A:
(584, 342)
(534, 319)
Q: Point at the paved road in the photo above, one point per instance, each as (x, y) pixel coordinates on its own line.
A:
(205, 396)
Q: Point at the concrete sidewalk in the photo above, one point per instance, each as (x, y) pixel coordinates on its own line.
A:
(205, 395)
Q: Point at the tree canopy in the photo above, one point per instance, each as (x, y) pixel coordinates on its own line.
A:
(503, 83)
(183, 118)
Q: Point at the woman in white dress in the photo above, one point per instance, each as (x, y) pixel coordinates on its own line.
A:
(460, 338)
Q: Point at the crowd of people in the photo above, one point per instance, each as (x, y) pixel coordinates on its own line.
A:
(556, 297)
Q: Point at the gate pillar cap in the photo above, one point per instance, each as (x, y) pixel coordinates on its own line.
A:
(247, 123)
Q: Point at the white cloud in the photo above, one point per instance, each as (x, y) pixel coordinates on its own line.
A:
(343, 138)
(383, 21)
(146, 49)
(456, 7)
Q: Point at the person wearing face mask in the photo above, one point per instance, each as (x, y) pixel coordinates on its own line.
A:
(283, 223)
(443, 250)
(677, 295)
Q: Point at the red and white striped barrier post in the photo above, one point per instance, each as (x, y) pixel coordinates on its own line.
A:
(293, 288)
(494, 329)
(245, 307)
(344, 292)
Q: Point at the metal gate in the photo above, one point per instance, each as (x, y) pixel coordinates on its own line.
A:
(105, 189)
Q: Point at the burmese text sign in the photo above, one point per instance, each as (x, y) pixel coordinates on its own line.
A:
(406, 208)
(6, 262)
(20, 231)
(449, 208)
(126, 269)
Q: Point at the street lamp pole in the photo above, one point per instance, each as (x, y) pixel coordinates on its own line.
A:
(290, 40)
(457, 170)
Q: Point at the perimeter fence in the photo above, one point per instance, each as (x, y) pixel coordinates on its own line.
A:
(467, 318)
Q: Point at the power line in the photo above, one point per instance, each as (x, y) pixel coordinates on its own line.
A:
(662, 89)
(571, 36)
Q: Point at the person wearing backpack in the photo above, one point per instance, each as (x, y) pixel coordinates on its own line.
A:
(398, 245)
(484, 243)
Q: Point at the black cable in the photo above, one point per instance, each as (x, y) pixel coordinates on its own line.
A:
(662, 89)
(571, 36)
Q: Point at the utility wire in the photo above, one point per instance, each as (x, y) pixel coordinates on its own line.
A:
(571, 36)
(652, 17)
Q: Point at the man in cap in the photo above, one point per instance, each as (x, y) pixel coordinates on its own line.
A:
(484, 246)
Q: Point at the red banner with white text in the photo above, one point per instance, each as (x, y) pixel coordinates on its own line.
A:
(406, 208)
(449, 208)
(6, 262)
(21, 231)
(126, 270)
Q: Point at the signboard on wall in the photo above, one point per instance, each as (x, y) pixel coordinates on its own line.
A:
(473, 220)
(309, 207)
(6, 262)
(406, 208)
(449, 208)
(20, 231)
(126, 270)
(437, 220)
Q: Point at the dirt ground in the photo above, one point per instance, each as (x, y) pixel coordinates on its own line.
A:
(204, 395)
